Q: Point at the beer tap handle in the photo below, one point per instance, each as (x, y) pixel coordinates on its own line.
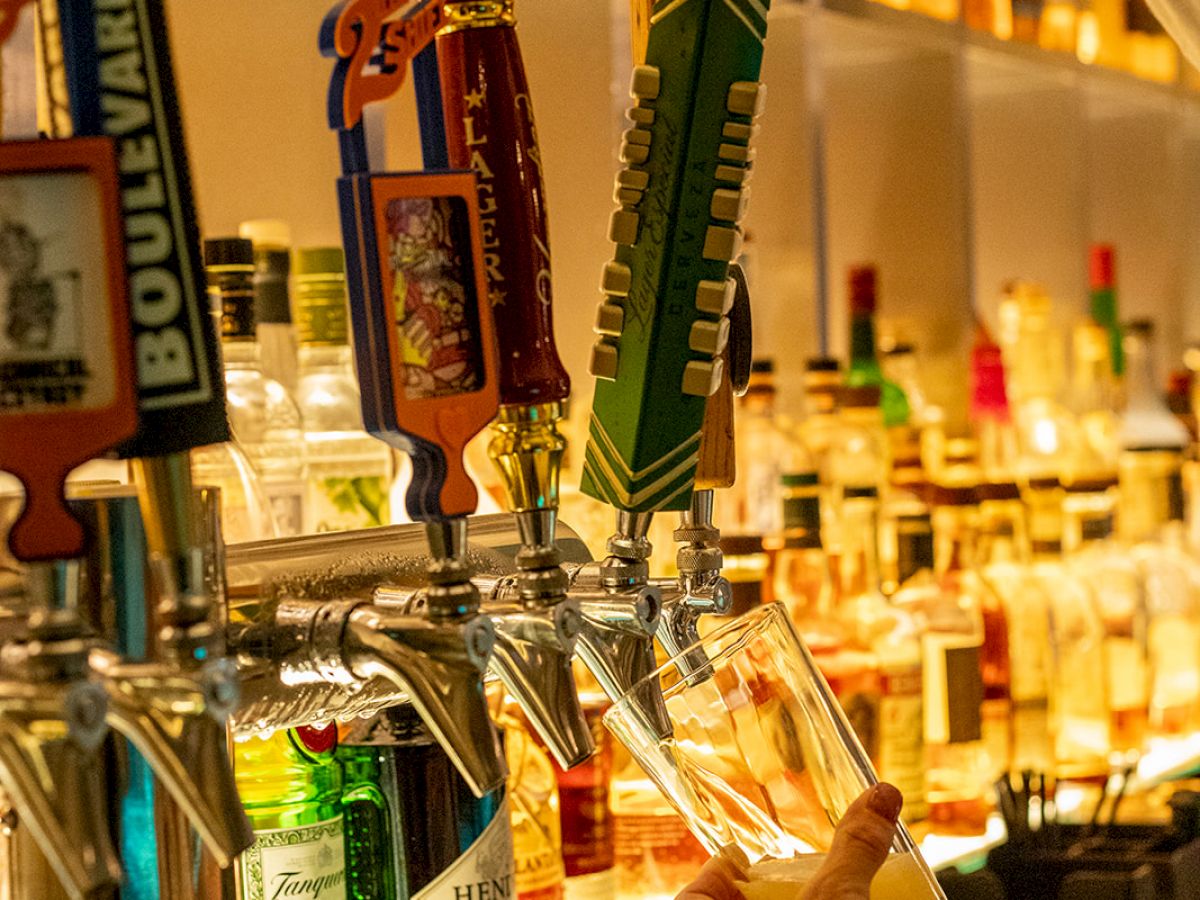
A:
(172, 706)
(663, 321)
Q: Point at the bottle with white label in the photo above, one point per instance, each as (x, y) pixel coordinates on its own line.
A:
(262, 415)
(349, 471)
(291, 787)
(414, 829)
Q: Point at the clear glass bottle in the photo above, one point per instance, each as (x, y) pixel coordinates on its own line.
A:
(272, 241)
(1047, 432)
(1094, 400)
(947, 608)
(767, 445)
(927, 421)
(822, 381)
(291, 787)
(1150, 520)
(1152, 444)
(857, 460)
(802, 578)
(864, 367)
(1114, 578)
(263, 417)
(1057, 29)
(349, 471)
(413, 826)
(1077, 682)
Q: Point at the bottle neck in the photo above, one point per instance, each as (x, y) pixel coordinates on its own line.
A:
(862, 344)
(1104, 314)
(858, 565)
(241, 354)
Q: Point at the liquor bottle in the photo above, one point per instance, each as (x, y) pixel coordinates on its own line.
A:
(272, 241)
(803, 582)
(875, 668)
(822, 381)
(583, 790)
(533, 799)
(947, 607)
(1150, 518)
(990, 412)
(291, 787)
(655, 853)
(262, 416)
(1077, 682)
(927, 420)
(348, 470)
(1047, 433)
(857, 459)
(864, 363)
(1103, 278)
(1094, 399)
(1001, 560)
(766, 445)
(1152, 444)
(1096, 560)
(946, 10)
(413, 826)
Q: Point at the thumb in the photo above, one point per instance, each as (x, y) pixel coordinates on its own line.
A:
(860, 846)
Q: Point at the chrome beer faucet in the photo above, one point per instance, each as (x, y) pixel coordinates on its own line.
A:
(52, 722)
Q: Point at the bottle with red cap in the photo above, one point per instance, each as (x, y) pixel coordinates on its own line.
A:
(1104, 301)
(864, 361)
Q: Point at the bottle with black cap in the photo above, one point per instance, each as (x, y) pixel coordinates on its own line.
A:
(822, 379)
(262, 415)
(272, 241)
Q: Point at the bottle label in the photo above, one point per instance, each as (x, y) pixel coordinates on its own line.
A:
(306, 862)
(346, 504)
(237, 314)
(321, 317)
(901, 738)
(655, 854)
(953, 689)
(484, 871)
(286, 500)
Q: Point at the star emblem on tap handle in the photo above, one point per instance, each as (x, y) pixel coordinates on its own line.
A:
(66, 352)
(419, 300)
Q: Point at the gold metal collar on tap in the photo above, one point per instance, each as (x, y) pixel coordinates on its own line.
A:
(478, 14)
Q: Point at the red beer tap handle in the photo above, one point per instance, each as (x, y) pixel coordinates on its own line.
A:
(490, 129)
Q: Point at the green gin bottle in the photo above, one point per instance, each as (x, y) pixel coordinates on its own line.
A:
(414, 829)
(864, 361)
(291, 786)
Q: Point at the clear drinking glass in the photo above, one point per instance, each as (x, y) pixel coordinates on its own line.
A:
(762, 762)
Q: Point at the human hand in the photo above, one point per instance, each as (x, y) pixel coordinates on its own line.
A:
(860, 847)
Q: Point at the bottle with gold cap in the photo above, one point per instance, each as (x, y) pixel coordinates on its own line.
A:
(348, 470)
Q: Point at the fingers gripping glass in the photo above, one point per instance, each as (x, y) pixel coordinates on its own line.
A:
(761, 762)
